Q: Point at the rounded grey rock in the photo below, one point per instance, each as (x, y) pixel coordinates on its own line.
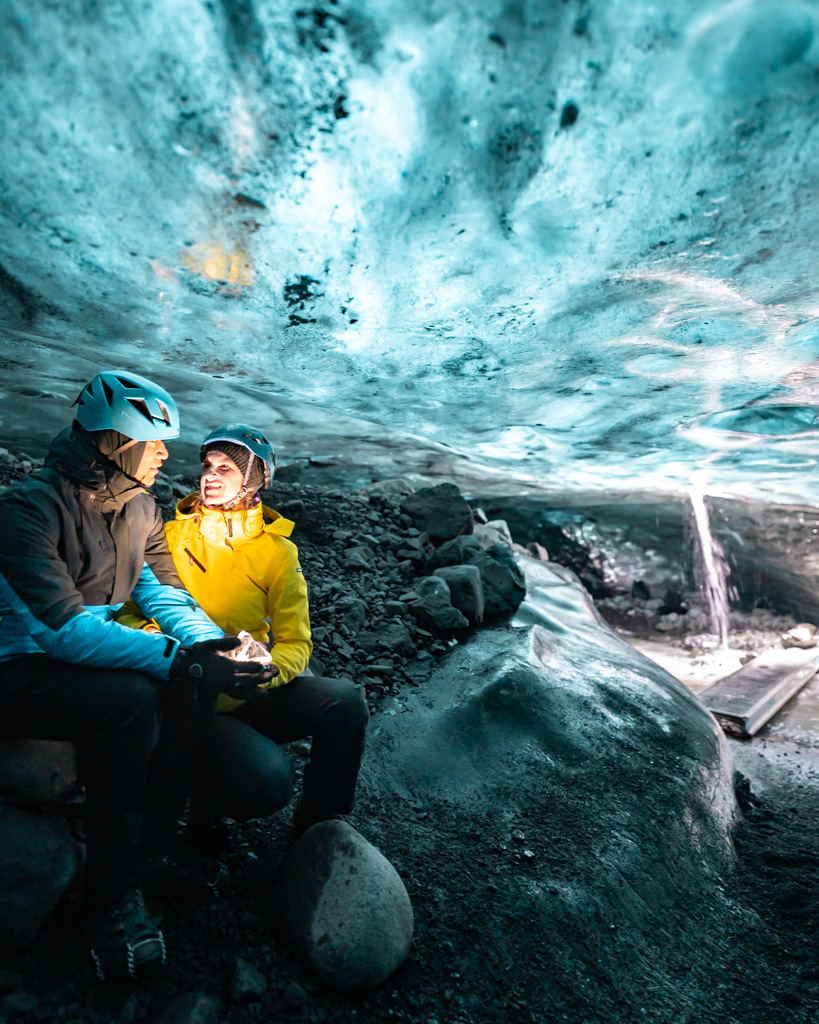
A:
(342, 908)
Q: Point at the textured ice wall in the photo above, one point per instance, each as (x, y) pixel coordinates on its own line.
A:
(568, 239)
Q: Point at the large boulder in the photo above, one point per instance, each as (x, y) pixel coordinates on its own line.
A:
(432, 608)
(590, 796)
(342, 908)
(440, 512)
(38, 861)
(465, 590)
(34, 772)
(503, 582)
(453, 552)
(496, 531)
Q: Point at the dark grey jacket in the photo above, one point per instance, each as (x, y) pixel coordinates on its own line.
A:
(76, 540)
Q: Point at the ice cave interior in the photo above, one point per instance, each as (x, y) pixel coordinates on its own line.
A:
(556, 251)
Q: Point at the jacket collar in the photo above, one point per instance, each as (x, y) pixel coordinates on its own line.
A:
(236, 525)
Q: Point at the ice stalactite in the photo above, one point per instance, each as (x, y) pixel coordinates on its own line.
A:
(714, 565)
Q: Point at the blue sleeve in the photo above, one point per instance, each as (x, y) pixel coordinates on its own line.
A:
(175, 611)
(91, 637)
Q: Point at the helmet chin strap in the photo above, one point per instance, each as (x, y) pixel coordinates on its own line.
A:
(122, 448)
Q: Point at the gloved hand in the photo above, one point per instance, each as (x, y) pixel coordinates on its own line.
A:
(209, 671)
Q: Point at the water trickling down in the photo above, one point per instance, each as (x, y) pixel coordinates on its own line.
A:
(714, 566)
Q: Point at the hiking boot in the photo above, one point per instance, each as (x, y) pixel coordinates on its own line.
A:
(305, 817)
(124, 940)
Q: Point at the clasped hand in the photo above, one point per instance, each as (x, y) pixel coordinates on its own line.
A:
(209, 670)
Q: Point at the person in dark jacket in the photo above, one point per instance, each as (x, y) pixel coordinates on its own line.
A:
(76, 540)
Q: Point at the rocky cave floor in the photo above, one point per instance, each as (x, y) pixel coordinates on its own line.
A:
(477, 956)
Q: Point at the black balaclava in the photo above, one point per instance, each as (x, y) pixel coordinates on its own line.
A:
(126, 455)
(250, 466)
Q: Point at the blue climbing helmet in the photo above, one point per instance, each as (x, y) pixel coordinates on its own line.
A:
(251, 439)
(130, 404)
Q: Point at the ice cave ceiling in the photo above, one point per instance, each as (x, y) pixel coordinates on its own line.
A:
(566, 243)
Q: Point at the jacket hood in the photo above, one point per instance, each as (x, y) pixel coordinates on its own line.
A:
(74, 454)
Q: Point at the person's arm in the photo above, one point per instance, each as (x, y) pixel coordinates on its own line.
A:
(173, 609)
(289, 615)
(39, 592)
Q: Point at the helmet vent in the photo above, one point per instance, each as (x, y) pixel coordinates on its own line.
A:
(128, 383)
(109, 394)
(142, 406)
(166, 416)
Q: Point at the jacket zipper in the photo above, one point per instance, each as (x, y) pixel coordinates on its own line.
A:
(193, 559)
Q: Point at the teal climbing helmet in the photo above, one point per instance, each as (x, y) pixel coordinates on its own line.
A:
(133, 405)
(250, 438)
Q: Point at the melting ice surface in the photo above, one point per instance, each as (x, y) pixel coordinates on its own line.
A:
(558, 243)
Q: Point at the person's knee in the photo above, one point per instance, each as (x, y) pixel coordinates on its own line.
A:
(258, 793)
(349, 707)
(247, 774)
(132, 700)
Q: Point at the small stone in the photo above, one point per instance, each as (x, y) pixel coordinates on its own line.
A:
(293, 995)
(537, 551)
(382, 668)
(248, 983)
(359, 557)
(130, 1010)
(191, 1008)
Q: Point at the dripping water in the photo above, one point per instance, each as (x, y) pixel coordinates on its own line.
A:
(714, 566)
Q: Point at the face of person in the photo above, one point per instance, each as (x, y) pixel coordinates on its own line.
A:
(152, 458)
(221, 478)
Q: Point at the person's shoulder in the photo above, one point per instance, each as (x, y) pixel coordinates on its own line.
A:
(275, 523)
(278, 542)
(44, 486)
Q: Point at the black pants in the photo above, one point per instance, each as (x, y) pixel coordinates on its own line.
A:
(232, 763)
(112, 717)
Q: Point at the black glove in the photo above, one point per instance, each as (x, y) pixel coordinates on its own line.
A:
(211, 673)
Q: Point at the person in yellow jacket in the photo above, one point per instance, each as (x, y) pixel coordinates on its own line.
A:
(234, 557)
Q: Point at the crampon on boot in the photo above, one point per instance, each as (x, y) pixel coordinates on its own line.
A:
(124, 940)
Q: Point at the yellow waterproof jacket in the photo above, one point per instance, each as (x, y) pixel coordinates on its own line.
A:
(242, 570)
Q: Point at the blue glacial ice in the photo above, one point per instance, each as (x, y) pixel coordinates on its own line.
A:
(550, 244)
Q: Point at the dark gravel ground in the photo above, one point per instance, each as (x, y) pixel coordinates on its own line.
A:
(480, 953)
